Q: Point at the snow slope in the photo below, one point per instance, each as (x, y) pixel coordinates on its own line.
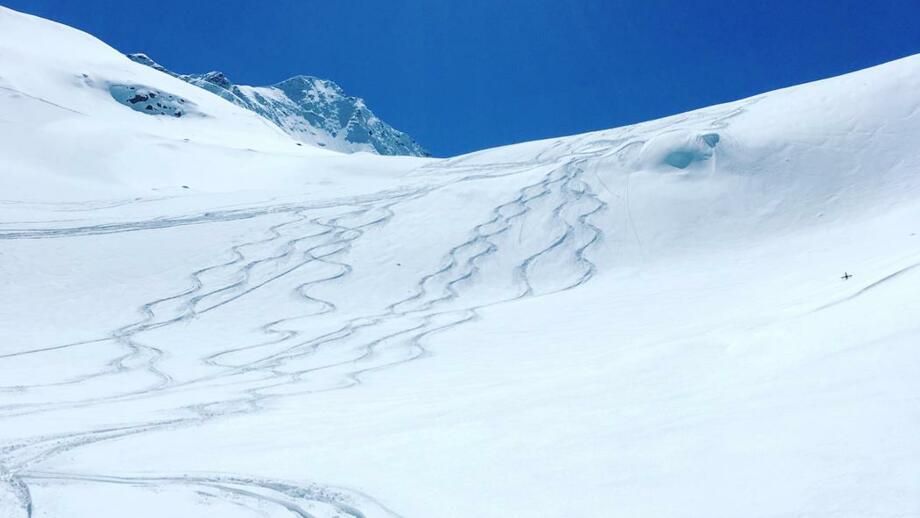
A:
(312, 110)
(643, 321)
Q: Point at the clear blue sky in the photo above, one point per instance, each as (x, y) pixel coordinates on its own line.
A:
(468, 74)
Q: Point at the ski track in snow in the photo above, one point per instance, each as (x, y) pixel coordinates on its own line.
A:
(414, 318)
(248, 375)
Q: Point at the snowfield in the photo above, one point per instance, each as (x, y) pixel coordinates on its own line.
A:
(200, 317)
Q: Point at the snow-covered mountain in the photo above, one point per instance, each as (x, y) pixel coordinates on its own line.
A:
(312, 110)
(198, 317)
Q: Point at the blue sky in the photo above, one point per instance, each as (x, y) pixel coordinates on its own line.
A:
(465, 75)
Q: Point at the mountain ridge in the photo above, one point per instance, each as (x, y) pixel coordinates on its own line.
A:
(312, 110)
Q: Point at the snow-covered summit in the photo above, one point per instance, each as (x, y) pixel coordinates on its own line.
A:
(312, 110)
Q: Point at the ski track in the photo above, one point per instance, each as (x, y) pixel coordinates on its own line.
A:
(396, 335)
(414, 318)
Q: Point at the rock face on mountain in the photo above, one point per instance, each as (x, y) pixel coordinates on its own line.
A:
(312, 110)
